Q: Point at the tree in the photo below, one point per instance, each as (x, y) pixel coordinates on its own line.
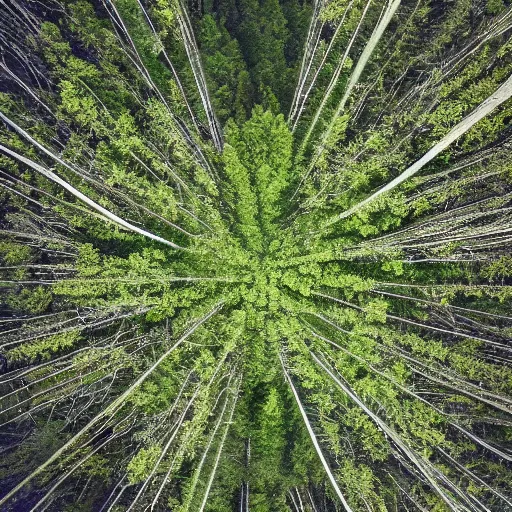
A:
(209, 305)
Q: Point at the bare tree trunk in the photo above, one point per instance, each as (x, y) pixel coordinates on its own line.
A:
(502, 94)
(110, 409)
(314, 440)
(103, 211)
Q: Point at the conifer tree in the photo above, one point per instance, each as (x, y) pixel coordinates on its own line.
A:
(255, 255)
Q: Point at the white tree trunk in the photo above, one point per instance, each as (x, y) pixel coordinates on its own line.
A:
(314, 440)
(502, 94)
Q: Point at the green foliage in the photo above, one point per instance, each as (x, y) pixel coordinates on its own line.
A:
(36, 300)
(15, 254)
(258, 175)
(44, 349)
(173, 360)
(140, 466)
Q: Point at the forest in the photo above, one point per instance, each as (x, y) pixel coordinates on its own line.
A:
(256, 255)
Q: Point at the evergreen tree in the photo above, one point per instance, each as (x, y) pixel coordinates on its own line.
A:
(255, 255)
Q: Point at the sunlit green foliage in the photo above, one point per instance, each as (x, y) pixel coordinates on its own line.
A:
(236, 342)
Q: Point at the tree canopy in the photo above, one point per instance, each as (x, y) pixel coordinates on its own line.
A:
(255, 255)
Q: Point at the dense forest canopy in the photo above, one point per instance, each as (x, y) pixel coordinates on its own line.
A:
(256, 255)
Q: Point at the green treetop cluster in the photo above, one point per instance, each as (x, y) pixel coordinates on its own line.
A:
(255, 256)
